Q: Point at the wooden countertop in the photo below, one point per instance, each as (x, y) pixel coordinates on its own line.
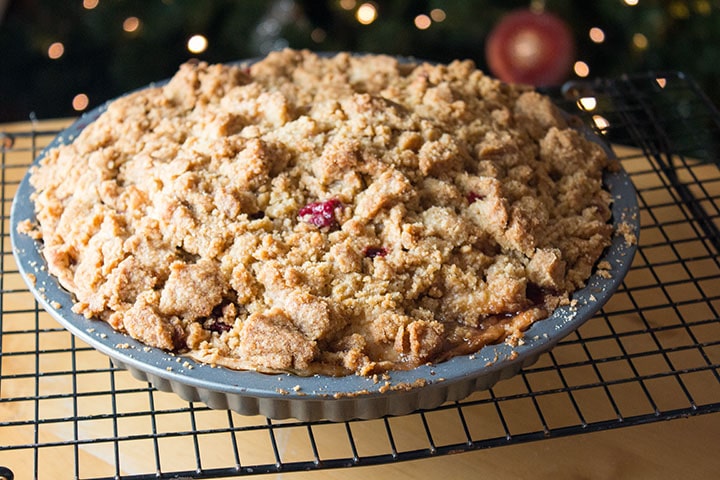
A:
(681, 448)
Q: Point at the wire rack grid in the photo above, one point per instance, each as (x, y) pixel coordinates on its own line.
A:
(651, 354)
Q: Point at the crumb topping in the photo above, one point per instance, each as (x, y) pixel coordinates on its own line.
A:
(338, 215)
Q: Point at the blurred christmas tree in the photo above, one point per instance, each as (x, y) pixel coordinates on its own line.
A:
(59, 58)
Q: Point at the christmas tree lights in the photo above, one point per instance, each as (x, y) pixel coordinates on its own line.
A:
(52, 51)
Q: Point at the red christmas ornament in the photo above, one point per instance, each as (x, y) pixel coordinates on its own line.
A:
(535, 48)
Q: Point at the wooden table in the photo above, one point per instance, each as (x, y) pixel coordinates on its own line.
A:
(38, 384)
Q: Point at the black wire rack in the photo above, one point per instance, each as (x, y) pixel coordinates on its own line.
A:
(651, 354)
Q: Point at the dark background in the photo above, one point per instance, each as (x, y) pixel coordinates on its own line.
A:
(102, 60)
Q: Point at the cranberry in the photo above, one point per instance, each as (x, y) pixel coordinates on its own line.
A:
(320, 214)
(538, 295)
(472, 196)
(219, 327)
(372, 252)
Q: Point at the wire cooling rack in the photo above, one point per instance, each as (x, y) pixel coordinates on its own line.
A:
(652, 353)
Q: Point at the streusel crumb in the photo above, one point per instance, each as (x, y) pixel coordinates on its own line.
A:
(335, 215)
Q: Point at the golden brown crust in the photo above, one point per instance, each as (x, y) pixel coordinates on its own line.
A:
(335, 215)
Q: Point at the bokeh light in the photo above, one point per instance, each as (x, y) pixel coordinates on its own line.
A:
(587, 103)
(56, 50)
(601, 122)
(438, 14)
(679, 10)
(640, 41)
(581, 69)
(703, 7)
(597, 35)
(80, 102)
(318, 35)
(422, 22)
(347, 4)
(197, 44)
(366, 13)
(131, 24)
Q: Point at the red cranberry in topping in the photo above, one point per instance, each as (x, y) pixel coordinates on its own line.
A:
(472, 196)
(320, 214)
(372, 252)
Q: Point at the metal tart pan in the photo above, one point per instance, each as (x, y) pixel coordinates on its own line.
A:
(322, 397)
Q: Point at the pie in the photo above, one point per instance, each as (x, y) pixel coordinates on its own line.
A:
(338, 215)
